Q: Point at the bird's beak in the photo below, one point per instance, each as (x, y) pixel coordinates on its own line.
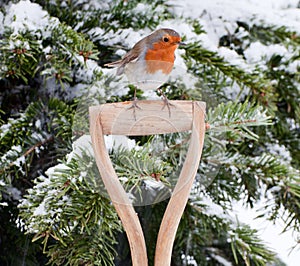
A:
(181, 43)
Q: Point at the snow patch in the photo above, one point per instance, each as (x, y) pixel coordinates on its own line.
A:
(51, 171)
(19, 161)
(280, 151)
(218, 258)
(211, 208)
(1, 23)
(40, 210)
(117, 141)
(26, 16)
(234, 58)
(258, 53)
(4, 129)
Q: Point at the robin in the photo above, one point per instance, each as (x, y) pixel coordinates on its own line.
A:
(149, 63)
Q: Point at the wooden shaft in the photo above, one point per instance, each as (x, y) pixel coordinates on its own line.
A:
(117, 193)
(181, 192)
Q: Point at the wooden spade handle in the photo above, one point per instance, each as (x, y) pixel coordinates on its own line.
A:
(151, 118)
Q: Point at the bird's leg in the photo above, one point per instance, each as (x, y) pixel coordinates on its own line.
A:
(134, 104)
(166, 101)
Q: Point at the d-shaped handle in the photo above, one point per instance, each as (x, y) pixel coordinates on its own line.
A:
(151, 118)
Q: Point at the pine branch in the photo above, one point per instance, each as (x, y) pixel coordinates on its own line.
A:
(75, 251)
(67, 207)
(205, 222)
(245, 241)
(286, 202)
(270, 34)
(236, 118)
(42, 131)
(200, 55)
(20, 56)
(279, 179)
(215, 73)
(26, 153)
(143, 170)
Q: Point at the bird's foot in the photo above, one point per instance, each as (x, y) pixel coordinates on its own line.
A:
(166, 102)
(134, 106)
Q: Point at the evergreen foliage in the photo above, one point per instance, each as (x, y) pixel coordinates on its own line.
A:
(53, 207)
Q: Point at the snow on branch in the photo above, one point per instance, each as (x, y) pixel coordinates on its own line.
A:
(237, 118)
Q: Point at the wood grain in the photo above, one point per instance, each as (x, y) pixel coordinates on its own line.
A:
(152, 117)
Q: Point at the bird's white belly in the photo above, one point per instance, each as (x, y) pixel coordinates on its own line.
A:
(137, 74)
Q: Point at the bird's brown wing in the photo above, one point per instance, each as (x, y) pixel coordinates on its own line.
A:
(133, 54)
(120, 64)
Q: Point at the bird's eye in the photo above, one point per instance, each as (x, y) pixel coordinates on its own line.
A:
(165, 39)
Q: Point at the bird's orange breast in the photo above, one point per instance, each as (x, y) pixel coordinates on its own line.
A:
(160, 58)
